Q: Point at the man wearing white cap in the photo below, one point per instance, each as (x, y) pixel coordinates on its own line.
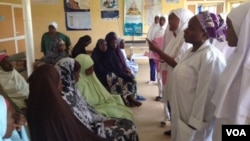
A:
(52, 35)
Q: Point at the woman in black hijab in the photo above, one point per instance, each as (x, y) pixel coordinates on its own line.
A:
(111, 72)
(81, 45)
(49, 116)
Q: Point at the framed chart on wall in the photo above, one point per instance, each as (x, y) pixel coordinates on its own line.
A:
(109, 9)
(133, 17)
(77, 14)
(152, 8)
(172, 1)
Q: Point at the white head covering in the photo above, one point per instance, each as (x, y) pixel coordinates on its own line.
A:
(171, 43)
(15, 86)
(160, 30)
(151, 30)
(167, 37)
(166, 20)
(233, 92)
(184, 15)
(54, 24)
(157, 15)
(175, 46)
(238, 16)
(3, 117)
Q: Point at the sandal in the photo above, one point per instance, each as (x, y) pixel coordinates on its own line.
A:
(163, 124)
(140, 98)
(137, 103)
(133, 101)
(158, 98)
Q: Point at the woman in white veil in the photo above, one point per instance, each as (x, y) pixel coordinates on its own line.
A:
(232, 94)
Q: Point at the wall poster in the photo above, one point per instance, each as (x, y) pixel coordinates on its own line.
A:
(77, 14)
(133, 17)
(172, 1)
(109, 9)
(152, 8)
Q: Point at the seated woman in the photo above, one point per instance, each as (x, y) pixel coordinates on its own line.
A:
(57, 52)
(131, 65)
(96, 94)
(110, 72)
(49, 116)
(13, 83)
(11, 122)
(81, 45)
(127, 65)
(113, 129)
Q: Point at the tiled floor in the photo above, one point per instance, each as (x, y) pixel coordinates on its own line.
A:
(149, 115)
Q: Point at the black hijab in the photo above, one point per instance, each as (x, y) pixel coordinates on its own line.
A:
(80, 46)
(114, 61)
(100, 63)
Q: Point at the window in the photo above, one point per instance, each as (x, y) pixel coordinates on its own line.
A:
(12, 36)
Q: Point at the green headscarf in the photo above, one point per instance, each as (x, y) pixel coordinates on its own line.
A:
(97, 95)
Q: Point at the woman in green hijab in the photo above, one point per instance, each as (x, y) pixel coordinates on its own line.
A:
(97, 95)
